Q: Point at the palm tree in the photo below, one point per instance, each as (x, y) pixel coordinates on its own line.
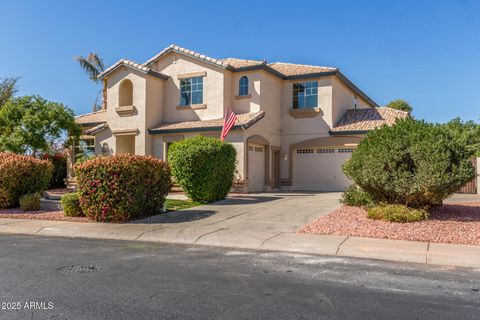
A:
(93, 66)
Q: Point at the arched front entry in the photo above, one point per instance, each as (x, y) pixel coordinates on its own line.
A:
(257, 163)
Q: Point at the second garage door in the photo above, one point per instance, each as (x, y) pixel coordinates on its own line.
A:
(320, 169)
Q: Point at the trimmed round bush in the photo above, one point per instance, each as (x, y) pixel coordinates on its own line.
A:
(30, 202)
(355, 196)
(397, 213)
(122, 187)
(204, 167)
(412, 163)
(59, 162)
(71, 205)
(21, 175)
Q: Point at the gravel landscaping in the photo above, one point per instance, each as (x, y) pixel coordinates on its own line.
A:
(452, 223)
(39, 215)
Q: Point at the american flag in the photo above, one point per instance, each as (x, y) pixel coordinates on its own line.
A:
(228, 122)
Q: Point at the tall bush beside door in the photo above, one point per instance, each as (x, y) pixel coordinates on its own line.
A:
(204, 167)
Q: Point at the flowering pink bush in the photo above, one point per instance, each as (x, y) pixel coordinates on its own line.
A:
(122, 187)
(20, 175)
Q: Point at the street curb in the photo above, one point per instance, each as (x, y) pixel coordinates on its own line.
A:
(342, 246)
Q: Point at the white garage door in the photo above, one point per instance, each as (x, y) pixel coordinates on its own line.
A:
(256, 168)
(320, 169)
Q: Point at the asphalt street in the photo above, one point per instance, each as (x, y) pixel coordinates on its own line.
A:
(60, 278)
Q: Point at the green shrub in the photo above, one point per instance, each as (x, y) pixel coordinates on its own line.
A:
(397, 213)
(59, 162)
(4, 199)
(355, 196)
(204, 167)
(411, 163)
(21, 175)
(71, 205)
(30, 202)
(122, 187)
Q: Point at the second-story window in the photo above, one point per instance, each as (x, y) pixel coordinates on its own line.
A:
(305, 95)
(191, 91)
(243, 86)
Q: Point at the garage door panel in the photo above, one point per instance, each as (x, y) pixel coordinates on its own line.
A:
(320, 169)
(256, 168)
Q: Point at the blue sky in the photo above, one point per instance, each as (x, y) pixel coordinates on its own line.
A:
(427, 52)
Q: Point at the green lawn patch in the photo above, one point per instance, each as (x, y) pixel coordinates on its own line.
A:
(175, 205)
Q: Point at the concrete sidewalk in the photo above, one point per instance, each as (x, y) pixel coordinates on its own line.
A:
(259, 237)
(264, 221)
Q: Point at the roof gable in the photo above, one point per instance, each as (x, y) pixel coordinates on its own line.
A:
(132, 65)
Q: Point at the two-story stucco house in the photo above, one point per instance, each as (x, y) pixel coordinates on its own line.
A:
(296, 124)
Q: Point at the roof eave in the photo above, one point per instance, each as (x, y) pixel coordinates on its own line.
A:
(149, 72)
(181, 130)
(88, 124)
(350, 84)
(311, 75)
(347, 132)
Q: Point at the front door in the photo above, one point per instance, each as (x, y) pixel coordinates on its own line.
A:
(276, 169)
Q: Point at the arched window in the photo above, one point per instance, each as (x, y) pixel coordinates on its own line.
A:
(126, 93)
(243, 86)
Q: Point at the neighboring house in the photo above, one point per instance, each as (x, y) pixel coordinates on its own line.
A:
(296, 125)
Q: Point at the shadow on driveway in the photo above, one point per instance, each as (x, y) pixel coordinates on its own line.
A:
(186, 215)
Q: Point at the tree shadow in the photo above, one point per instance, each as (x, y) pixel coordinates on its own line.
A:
(187, 215)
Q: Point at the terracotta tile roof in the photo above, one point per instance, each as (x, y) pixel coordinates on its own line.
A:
(185, 51)
(133, 65)
(91, 119)
(291, 69)
(284, 69)
(242, 63)
(244, 121)
(363, 120)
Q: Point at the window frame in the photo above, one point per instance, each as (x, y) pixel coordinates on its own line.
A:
(84, 148)
(244, 86)
(194, 95)
(309, 90)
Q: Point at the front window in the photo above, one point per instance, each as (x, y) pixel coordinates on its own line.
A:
(243, 86)
(84, 149)
(305, 95)
(191, 91)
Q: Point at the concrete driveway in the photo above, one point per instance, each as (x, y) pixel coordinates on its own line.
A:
(242, 220)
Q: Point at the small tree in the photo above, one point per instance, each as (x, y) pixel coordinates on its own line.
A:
(467, 133)
(31, 124)
(8, 88)
(412, 163)
(204, 167)
(400, 104)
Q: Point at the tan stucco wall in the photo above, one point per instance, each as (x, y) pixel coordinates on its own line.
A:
(174, 64)
(154, 108)
(246, 104)
(343, 99)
